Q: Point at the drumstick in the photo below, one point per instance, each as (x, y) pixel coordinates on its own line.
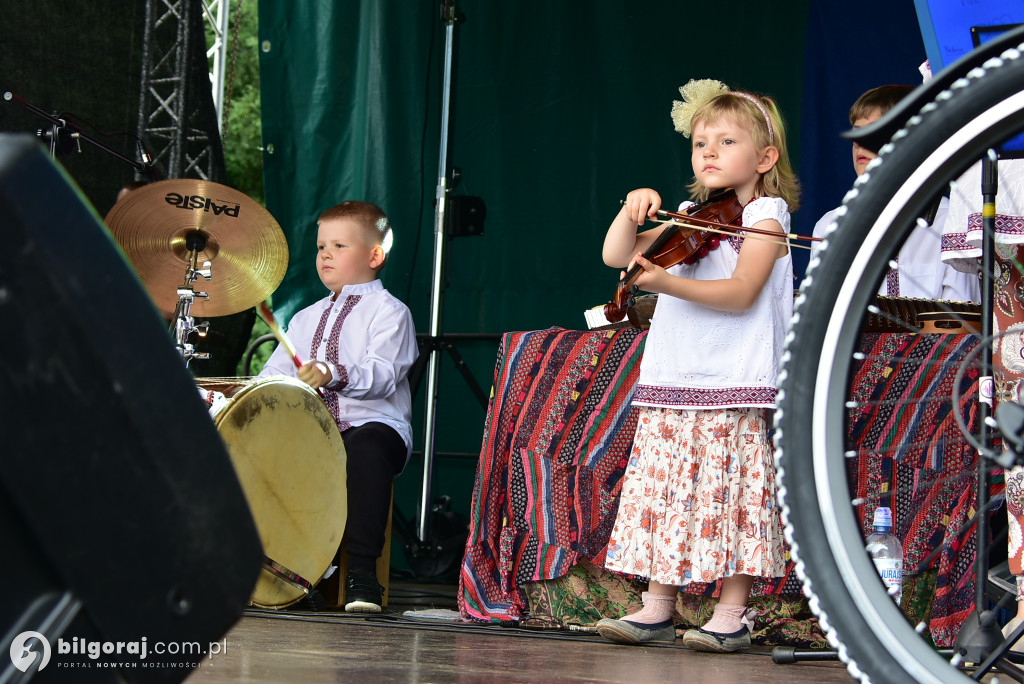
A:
(279, 334)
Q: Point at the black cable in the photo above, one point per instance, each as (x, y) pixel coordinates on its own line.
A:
(140, 146)
(405, 622)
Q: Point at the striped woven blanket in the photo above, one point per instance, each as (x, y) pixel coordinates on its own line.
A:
(913, 458)
(559, 427)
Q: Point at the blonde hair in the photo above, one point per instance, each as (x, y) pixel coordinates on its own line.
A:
(376, 226)
(779, 181)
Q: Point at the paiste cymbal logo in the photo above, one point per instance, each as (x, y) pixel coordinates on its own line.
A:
(207, 204)
(24, 654)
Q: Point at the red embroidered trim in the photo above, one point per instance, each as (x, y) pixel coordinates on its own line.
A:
(892, 283)
(331, 397)
(1006, 224)
(710, 398)
(955, 242)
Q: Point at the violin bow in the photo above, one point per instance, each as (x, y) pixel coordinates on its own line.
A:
(781, 238)
(731, 230)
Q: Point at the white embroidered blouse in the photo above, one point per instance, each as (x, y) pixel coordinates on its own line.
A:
(696, 357)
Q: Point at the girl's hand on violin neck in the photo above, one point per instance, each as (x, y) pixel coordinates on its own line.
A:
(642, 204)
(652, 278)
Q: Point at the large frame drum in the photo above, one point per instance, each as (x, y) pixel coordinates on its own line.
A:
(290, 459)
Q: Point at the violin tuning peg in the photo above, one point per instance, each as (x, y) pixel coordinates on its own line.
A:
(630, 302)
(633, 289)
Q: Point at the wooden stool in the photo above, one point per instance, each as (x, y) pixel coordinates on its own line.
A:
(333, 589)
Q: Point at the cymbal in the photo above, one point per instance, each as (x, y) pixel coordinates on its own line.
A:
(245, 246)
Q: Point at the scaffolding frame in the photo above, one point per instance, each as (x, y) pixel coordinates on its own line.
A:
(166, 120)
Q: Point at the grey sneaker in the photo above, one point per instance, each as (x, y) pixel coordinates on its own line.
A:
(626, 632)
(714, 642)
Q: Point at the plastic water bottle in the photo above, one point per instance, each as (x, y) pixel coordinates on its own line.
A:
(887, 552)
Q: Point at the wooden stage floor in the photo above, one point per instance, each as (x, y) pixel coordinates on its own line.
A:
(367, 652)
(322, 647)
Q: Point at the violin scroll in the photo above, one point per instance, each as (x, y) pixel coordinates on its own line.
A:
(615, 310)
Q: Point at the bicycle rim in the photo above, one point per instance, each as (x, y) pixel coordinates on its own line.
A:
(878, 644)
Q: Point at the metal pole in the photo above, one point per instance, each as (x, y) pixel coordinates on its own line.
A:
(979, 636)
(437, 283)
(989, 186)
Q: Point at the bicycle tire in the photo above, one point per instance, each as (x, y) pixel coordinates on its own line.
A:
(979, 111)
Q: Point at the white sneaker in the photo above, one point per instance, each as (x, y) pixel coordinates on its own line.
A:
(1008, 629)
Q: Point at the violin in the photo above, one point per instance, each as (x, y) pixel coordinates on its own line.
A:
(679, 244)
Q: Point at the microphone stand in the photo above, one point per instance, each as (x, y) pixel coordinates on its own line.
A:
(62, 134)
(449, 16)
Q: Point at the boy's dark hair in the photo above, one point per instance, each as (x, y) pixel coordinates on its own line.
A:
(370, 217)
(882, 98)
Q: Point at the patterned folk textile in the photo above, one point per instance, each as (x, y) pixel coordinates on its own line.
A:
(558, 430)
(588, 593)
(698, 498)
(912, 457)
(556, 440)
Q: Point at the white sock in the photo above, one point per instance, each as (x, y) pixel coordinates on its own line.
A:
(657, 608)
(726, 619)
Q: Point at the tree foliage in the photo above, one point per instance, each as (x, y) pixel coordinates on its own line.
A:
(241, 132)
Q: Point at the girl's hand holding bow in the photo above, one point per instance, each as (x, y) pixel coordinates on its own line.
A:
(642, 204)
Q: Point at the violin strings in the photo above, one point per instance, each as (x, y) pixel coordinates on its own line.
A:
(787, 239)
(712, 224)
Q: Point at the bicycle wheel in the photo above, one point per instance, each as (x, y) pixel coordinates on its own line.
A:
(979, 112)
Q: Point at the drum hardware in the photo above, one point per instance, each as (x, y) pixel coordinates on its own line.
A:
(287, 576)
(183, 325)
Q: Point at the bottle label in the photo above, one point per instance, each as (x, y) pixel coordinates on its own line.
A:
(891, 572)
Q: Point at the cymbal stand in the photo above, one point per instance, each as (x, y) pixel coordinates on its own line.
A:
(183, 325)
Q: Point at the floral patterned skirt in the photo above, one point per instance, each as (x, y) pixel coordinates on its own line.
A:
(698, 498)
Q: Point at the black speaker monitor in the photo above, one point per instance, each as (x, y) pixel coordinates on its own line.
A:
(121, 517)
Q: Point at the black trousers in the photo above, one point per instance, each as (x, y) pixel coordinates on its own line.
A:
(375, 454)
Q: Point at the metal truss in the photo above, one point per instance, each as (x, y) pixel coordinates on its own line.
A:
(216, 13)
(169, 115)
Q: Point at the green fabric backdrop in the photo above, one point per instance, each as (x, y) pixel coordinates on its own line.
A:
(558, 110)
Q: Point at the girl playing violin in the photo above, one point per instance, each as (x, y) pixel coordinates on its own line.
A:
(698, 496)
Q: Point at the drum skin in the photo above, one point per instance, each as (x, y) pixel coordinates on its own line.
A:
(290, 459)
